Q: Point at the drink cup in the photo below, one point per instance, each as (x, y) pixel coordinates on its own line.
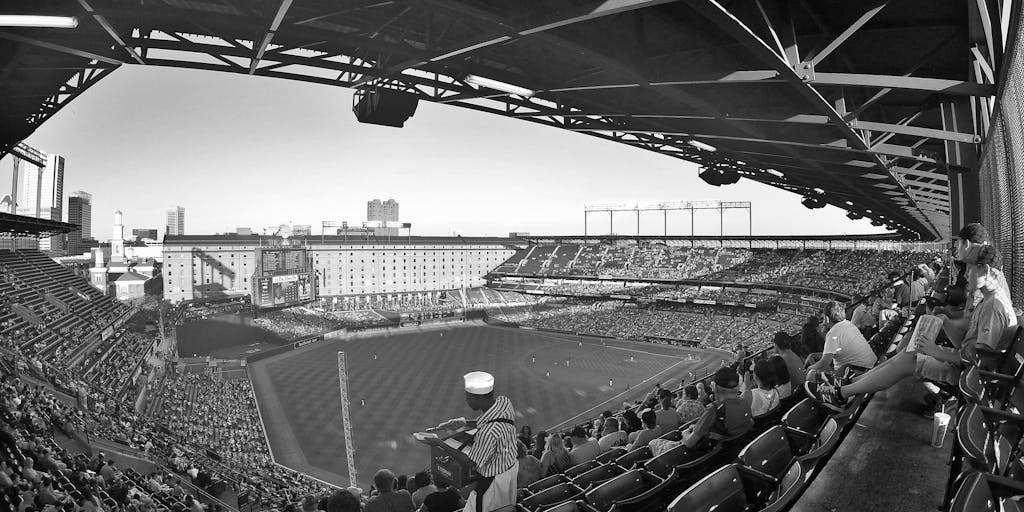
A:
(940, 423)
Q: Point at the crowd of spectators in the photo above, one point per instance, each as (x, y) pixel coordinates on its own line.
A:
(842, 271)
(219, 414)
(207, 427)
(38, 474)
(297, 322)
(708, 326)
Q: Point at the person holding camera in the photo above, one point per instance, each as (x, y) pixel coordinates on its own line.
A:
(845, 346)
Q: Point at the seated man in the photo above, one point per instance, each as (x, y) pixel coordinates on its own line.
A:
(650, 432)
(956, 316)
(844, 344)
(584, 448)
(728, 417)
(612, 436)
(993, 324)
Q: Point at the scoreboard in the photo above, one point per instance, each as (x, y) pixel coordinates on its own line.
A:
(283, 277)
(280, 261)
(282, 290)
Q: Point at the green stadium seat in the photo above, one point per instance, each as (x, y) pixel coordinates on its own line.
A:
(581, 468)
(548, 482)
(731, 487)
(571, 506)
(633, 490)
(611, 455)
(768, 419)
(598, 476)
(996, 388)
(634, 458)
(787, 403)
(681, 460)
(988, 438)
(980, 492)
(551, 496)
(672, 435)
(807, 415)
(770, 453)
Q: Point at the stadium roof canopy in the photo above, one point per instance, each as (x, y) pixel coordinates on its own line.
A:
(868, 106)
(18, 225)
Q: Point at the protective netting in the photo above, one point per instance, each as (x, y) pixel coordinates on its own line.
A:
(1002, 172)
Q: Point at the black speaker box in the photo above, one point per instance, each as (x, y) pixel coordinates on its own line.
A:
(385, 107)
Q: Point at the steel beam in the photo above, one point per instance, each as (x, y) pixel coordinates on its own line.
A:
(931, 195)
(808, 119)
(852, 29)
(935, 175)
(110, 31)
(282, 9)
(938, 85)
(589, 12)
(60, 48)
(893, 82)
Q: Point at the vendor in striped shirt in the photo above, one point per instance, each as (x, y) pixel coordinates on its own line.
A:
(494, 446)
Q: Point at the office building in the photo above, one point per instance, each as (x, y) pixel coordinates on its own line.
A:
(386, 211)
(175, 221)
(80, 214)
(379, 214)
(42, 197)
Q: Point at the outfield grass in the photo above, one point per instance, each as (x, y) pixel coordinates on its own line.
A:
(416, 381)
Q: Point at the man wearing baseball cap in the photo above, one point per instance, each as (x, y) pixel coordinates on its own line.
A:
(494, 448)
(728, 417)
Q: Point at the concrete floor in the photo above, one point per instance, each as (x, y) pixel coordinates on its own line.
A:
(886, 462)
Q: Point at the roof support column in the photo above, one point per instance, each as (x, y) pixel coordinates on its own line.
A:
(964, 185)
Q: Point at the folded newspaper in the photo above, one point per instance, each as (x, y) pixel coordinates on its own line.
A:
(928, 328)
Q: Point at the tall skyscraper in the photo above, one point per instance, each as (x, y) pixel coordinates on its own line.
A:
(79, 213)
(386, 211)
(42, 197)
(175, 221)
(382, 212)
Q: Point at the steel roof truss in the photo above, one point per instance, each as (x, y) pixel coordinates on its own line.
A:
(852, 29)
(282, 9)
(110, 31)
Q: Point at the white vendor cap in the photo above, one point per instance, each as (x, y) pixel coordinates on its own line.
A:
(479, 383)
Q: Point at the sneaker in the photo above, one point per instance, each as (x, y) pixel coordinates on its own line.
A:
(825, 394)
(831, 379)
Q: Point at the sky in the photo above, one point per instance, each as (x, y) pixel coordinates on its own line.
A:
(247, 151)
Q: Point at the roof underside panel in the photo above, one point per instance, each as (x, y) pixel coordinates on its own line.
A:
(848, 99)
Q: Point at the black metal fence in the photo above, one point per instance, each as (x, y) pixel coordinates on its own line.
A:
(1001, 171)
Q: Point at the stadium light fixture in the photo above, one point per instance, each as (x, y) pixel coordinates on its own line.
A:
(33, 21)
(498, 85)
(701, 146)
(813, 203)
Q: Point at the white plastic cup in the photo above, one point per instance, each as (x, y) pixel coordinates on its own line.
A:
(940, 423)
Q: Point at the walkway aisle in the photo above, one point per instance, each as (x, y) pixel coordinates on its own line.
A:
(886, 463)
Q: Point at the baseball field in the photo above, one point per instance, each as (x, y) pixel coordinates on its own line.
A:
(411, 379)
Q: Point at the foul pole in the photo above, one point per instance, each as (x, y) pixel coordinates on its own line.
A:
(346, 422)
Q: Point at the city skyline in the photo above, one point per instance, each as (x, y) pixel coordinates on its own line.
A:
(249, 151)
